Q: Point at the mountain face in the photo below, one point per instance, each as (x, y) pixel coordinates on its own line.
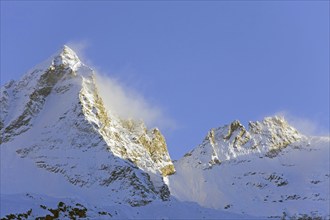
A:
(55, 118)
(64, 155)
(269, 170)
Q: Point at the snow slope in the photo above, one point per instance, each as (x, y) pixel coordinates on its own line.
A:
(266, 171)
(41, 206)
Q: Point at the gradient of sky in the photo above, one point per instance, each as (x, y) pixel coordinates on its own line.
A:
(204, 63)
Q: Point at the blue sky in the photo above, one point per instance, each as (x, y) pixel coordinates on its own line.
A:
(204, 64)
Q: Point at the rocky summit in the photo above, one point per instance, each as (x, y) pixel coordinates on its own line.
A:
(64, 155)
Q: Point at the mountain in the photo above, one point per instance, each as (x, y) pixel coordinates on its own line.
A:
(54, 114)
(268, 170)
(65, 155)
(58, 142)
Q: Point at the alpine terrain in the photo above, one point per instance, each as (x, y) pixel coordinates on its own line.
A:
(65, 156)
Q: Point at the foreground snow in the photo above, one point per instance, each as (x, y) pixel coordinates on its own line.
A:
(42, 206)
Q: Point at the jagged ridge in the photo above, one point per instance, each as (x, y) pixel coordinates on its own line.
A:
(228, 142)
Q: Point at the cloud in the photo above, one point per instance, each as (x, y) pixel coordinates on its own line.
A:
(130, 104)
(304, 125)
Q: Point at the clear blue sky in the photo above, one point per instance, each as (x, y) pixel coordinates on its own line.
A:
(204, 63)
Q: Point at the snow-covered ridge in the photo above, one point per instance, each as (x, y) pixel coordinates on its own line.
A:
(66, 57)
(228, 142)
(269, 170)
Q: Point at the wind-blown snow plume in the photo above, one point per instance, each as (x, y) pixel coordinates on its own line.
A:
(304, 125)
(122, 100)
(128, 103)
(79, 48)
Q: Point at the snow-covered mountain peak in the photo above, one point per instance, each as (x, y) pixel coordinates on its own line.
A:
(273, 134)
(270, 169)
(233, 140)
(271, 124)
(67, 57)
(55, 118)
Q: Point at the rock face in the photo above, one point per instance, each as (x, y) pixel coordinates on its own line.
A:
(55, 117)
(268, 170)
